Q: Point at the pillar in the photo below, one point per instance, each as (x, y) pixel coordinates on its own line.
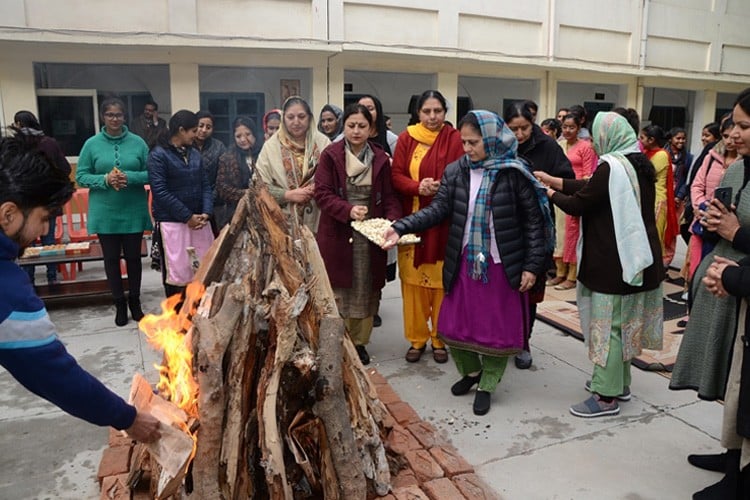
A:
(184, 87)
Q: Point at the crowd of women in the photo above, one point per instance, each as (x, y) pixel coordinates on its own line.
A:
(503, 206)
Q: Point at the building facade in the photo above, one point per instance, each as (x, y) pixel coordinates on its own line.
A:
(677, 62)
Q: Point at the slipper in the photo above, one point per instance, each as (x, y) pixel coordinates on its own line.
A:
(440, 355)
(555, 281)
(413, 354)
(566, 285)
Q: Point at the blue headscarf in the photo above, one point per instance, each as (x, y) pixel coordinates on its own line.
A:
(501, 147)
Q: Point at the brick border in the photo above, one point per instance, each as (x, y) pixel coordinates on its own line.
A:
(433, 469)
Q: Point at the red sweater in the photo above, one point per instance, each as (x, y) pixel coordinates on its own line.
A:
(447, 149)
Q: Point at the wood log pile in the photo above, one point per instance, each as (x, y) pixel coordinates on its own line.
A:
(285, 409)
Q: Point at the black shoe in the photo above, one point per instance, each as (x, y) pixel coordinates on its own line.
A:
(716, 462)
(728, 487)
(377, 321)
(121, 316)
(523, 360)
(134, 302)
(464, 385)
(363, 356)
(482, 402)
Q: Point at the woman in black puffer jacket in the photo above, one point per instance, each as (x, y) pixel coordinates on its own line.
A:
(496, 248)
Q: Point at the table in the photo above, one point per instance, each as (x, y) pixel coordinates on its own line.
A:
(74, 288)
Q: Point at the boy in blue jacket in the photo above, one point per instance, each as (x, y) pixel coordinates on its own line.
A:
(30, 189)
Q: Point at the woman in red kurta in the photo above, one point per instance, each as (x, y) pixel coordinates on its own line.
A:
(583, 159)
(353, 182)
(420, 158)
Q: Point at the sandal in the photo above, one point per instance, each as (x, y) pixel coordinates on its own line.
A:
(413, 354)
(566, 285)
(440, 355)
(555, 281)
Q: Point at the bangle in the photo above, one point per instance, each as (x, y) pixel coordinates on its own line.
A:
(106, 179)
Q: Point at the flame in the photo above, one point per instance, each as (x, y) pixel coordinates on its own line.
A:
(170, 333)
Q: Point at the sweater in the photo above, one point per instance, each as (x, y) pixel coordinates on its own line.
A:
(33, 355)
(111, 211)
(543, 153)
(334, 230)
(601, 269)
(179, 189)
(516, 216)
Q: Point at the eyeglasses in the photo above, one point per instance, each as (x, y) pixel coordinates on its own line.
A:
(114, 116)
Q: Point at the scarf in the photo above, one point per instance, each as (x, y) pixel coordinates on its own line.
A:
(613, 139)
(339, 122)
(422, 134)
(501, 147)
(359, 166)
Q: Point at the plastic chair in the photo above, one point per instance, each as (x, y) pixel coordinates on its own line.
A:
(77, 229)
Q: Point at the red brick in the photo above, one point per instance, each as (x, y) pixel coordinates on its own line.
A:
(388, 421)
(423, 465)
(426, 434)
(410, 493)
(376, 377)
(451, 462)
(441, 489)
(115, 460)
(405, 477)
(473, 488)
(387, 395)
(403, 413)
(400, 441)
(118, 438)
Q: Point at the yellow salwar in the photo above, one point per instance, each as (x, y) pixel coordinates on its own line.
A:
(661, 163)
(422, 287)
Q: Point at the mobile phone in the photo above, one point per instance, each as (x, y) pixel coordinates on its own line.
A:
(724, 195)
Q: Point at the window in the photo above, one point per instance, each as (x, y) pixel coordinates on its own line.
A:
(70, 116)
(226, 106)
(668, 116)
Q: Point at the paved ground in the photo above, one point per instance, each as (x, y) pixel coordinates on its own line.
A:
(528, 447)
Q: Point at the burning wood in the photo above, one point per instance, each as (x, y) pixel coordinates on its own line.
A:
(258, 356)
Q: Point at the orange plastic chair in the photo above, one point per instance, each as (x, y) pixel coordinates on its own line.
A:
(77, 229)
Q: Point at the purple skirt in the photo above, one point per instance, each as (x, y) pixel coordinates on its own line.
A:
(487, 318)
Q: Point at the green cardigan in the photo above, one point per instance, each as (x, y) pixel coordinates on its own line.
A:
(110, 211)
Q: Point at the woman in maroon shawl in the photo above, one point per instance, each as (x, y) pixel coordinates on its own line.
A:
(420, 158)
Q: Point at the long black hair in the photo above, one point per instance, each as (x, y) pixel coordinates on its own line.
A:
(248, 122)
(382, 136)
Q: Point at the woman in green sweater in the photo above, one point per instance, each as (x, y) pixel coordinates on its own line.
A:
(112, 165)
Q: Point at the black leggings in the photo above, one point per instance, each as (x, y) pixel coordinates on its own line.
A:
(128, 246)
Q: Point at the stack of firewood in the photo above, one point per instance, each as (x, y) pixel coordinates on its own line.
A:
(285, 408)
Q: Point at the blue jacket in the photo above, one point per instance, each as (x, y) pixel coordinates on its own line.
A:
(180, 188)
(33, 355)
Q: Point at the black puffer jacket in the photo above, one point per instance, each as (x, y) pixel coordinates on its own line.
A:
(518, 220)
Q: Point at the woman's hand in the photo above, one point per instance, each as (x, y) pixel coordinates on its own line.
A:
(116, 180)
(358, 212)
(719, 219)
(197, 221)
(391, 238)
(428, 186)
(543, 177)
(712, 280)
(300, 195)
(145, 428)
(527, 281)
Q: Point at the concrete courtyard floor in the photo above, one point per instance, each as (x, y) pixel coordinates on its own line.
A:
(527, 447)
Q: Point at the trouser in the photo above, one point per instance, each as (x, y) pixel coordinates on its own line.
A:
(492, 367)
(359, 329)
(129, 247)
(47, 239)
(421, 304)
(527, 330)
(567, 270)
(610, 380)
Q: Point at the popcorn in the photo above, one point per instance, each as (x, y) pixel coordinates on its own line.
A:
(374, 230)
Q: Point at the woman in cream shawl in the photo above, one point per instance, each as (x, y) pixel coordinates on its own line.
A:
(288, 161)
